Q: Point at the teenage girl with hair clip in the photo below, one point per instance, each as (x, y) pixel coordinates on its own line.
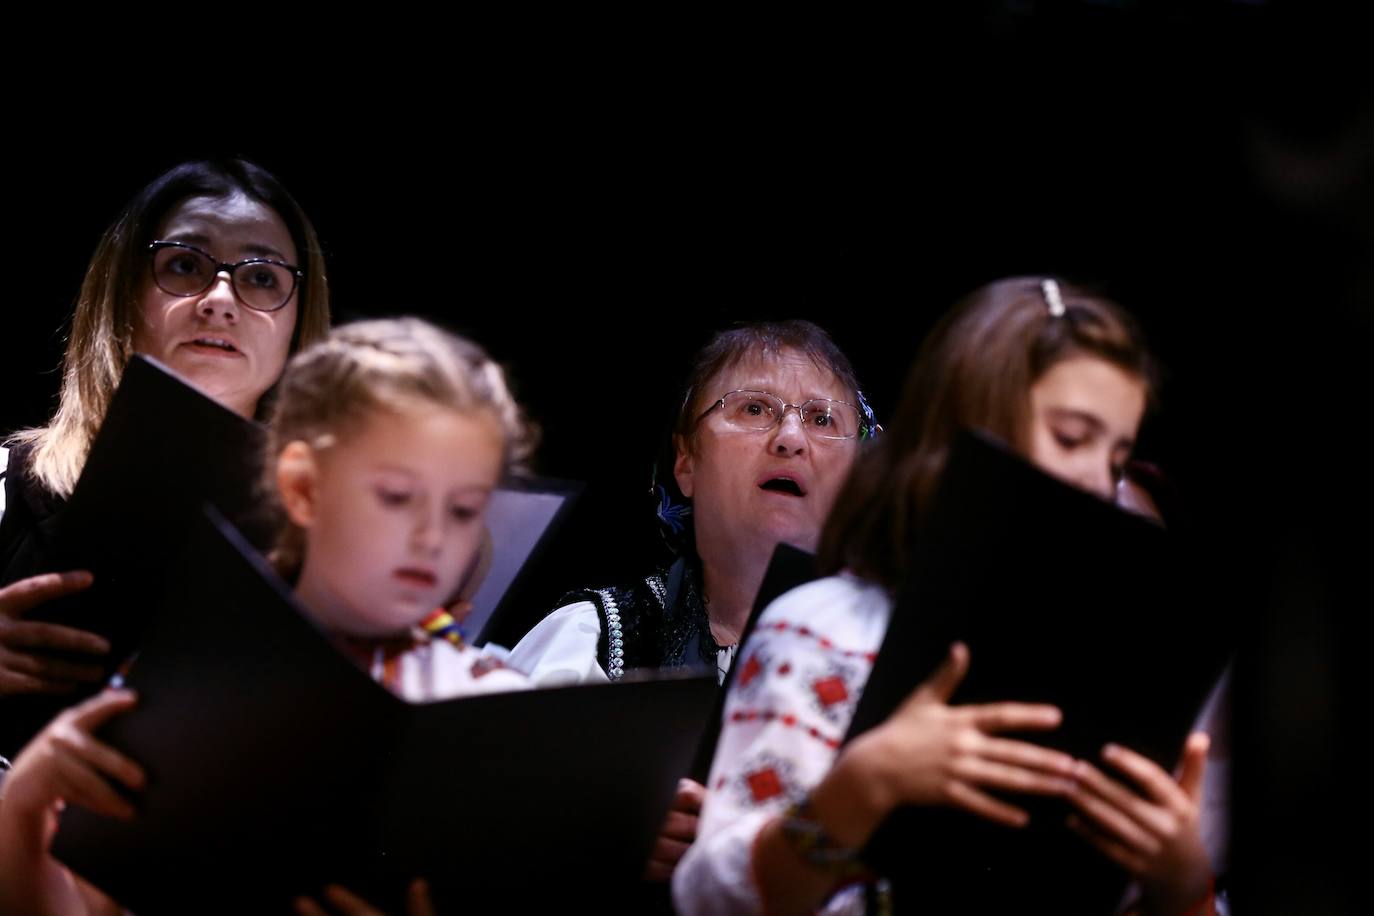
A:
(388, 439)
(1062, 377)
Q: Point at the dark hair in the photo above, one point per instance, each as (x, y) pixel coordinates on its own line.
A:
(766, 338)
(124, 248)
(101, 339)
(974, 370)
(726, 349)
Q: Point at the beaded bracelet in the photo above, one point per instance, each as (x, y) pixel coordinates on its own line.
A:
(810, 840)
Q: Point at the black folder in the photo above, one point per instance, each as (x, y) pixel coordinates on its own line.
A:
(163, 450)
(1062, 598)
(276, 765)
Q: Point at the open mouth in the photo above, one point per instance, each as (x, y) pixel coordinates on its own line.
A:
(783, 485)
(214, 343)
(419, 578)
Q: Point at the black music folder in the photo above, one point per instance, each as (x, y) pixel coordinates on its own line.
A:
(276, 765)
(1062, 598)
(163, 450)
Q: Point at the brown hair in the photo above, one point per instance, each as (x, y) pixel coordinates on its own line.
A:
(975, 370)
(101, 338)
(391, 365)
(766, 338)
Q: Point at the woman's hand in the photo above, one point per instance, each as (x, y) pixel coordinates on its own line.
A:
(347, 903)
(678, 831)
(25, 666)
(1150, 826)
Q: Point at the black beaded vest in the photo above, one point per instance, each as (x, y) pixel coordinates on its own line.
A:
(656, 622)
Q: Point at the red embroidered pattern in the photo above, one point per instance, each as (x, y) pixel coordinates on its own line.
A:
(764, 784)
(830, 690)
(750, 670)
(788, 720)
(782, 626)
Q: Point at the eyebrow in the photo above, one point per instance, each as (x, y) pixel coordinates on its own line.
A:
(393, 469)
(474, 489)
(1069, 413)
(252, 248)
(766, 390)
(405, 472)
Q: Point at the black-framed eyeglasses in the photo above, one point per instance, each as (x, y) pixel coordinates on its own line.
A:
(823, 418)
(264, 284)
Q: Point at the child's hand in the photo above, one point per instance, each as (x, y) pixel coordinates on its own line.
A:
(65, 764)
(347, 903)
(1152, 831)
(62, 764)
(25, 665)
(931, 753)
(678, 831)
(928, 752)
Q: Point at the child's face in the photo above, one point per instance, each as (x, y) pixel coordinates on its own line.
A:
(1085, 413)
(394, 517)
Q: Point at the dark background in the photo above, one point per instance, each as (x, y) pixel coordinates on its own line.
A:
(593, 224)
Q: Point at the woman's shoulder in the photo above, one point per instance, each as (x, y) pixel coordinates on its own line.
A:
(842, 593)
(841, 604)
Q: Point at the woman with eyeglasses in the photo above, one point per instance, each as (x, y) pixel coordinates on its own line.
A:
(212, 269)
(769, 425)
(1062, 377)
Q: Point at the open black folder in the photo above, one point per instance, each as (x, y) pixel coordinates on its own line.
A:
(1062, 598)
(163, 450)
(276, 765)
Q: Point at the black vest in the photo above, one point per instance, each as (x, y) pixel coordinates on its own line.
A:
(656, 622)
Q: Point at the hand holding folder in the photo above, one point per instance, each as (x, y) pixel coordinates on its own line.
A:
(163, 450)
(1062, 599)
(28, 659)
(275, 766)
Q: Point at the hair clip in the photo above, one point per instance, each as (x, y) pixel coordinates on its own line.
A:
(1050, 290)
